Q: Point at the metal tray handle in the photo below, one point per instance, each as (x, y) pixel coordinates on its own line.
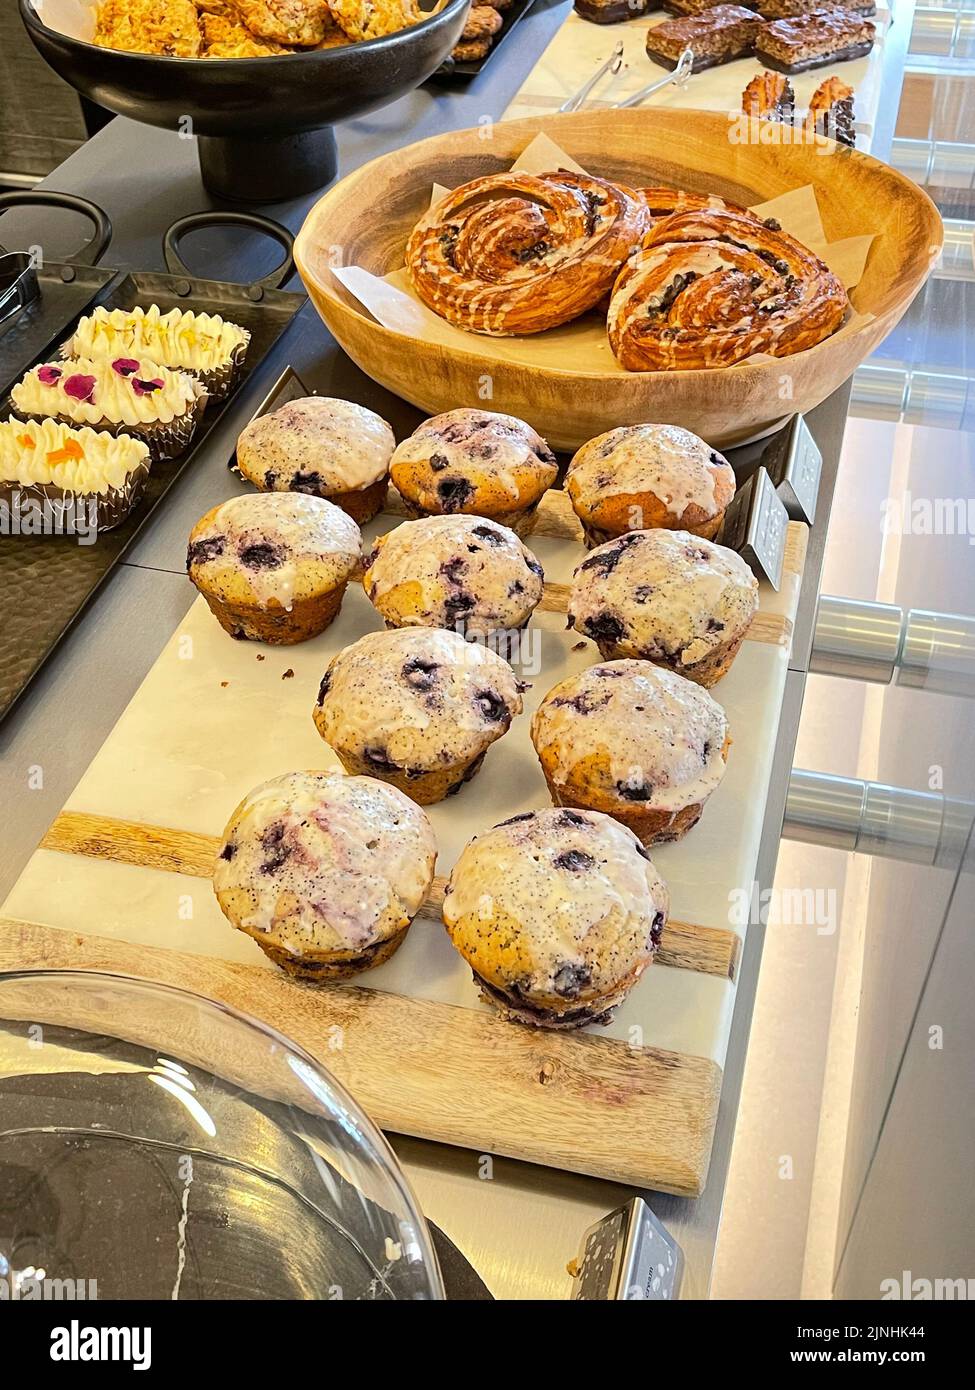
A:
(197, 220)
(93, 250)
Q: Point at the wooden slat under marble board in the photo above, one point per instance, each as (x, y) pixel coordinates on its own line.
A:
(710, 950)
(575, 1101)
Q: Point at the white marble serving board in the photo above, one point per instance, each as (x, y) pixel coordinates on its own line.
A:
(579, 48)
(211, 720)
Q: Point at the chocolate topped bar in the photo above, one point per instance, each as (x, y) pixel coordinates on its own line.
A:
(813, 40)
(722, 34)
(612, 11)
(693, 7)
(790, 9)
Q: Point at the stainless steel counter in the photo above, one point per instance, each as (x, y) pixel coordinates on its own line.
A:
(520, 1225)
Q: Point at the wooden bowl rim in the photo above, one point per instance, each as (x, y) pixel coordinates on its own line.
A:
(534, 124)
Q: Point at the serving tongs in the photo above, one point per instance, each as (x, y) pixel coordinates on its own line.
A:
(680, 77)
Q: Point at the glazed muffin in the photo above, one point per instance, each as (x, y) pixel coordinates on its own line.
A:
(668, 597)
(325, 872)
(457, 572)
(274, 566)
(641, 744)
(121, 395)
(642, 476)
(207, 346)
(558, 913)
(418, 707)
(477, 462)
(322, 447)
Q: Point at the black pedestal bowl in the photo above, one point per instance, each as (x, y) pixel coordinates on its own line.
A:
(264, 125)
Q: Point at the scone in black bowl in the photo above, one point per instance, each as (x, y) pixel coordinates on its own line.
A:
(264, 125)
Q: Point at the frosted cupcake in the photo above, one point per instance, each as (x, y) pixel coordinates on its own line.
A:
(87, 476)
(666, 596)
(642, 476)
(558, 914)
(273, 566)
(120, 395)
(207, 346)
(323, 447)
(325, 872)
(457, 572)
(418, 707)
(635, 742)
(474, 461)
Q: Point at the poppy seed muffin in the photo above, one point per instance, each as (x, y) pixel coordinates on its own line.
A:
(668, 597)
(642, 476)
(477, 462)
(325, 872)
(323, 447)
(418, 707)
(558, 913)
(459, 572)
(274, 566)
(639, 743)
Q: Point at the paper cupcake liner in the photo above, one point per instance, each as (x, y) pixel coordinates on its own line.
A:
(110, 508)
(217, 382)
(164, 441)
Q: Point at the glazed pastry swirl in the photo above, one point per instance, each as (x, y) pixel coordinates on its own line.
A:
(708, 289)
(514, 253)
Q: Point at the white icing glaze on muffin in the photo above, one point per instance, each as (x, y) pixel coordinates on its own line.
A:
(121, 391)
(670, 462)
(317, 444)
(668, 594)
(662, 736)
(486, 442)
(416, 698)
(460, 571)
(276, 539)
(560, 908)
(81, 461)
(179, 338)
(327, 862)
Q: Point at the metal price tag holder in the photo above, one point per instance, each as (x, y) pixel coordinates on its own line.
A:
(755, 525)
(628, 1255)
(794, 464)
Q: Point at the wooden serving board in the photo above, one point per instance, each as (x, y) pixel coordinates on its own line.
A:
(120, 883)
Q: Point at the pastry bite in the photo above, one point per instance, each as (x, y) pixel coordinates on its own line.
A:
(719, 35)
(668, 597)
(458, 572)
(812, 40)
(518, 253)
(325, 872)
(769, 97)
(226, 36)
(417, 707)
(90, 476)
(638, 477)
(170, 29)
(208, 347)
(711, 288)
(638, 743)
(322, 447)
(301, 23)
(831, 111)
(273, 567)
(373, 19)
(121, 395)
(558, 913)
(476, 462)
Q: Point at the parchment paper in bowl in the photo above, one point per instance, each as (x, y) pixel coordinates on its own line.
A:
(73, 18)
(582, 346)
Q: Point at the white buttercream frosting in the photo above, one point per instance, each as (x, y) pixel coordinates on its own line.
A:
(179, 338)
(77, 460)
(140, 393)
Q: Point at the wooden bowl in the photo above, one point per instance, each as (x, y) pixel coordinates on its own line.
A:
(367, 216)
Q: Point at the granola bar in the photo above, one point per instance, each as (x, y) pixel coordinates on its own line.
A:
(724, 33)
(813, 40)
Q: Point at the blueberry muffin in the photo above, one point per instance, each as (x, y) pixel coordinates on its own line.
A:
(322, 447)
(558, 913)
(418, 707)
(666, 596)
(455, 572)
(639, 743)
(642, 476)
(477, 462)
(325, 872)
(273, 566)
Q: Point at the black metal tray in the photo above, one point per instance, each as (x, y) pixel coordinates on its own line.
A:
(47, 581)
(465, 70)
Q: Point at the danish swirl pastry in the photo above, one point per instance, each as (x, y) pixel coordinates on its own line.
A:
(514, 253)
(708, 289)
(664, 202)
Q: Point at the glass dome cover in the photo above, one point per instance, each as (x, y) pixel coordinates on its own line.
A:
(158, 1145)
